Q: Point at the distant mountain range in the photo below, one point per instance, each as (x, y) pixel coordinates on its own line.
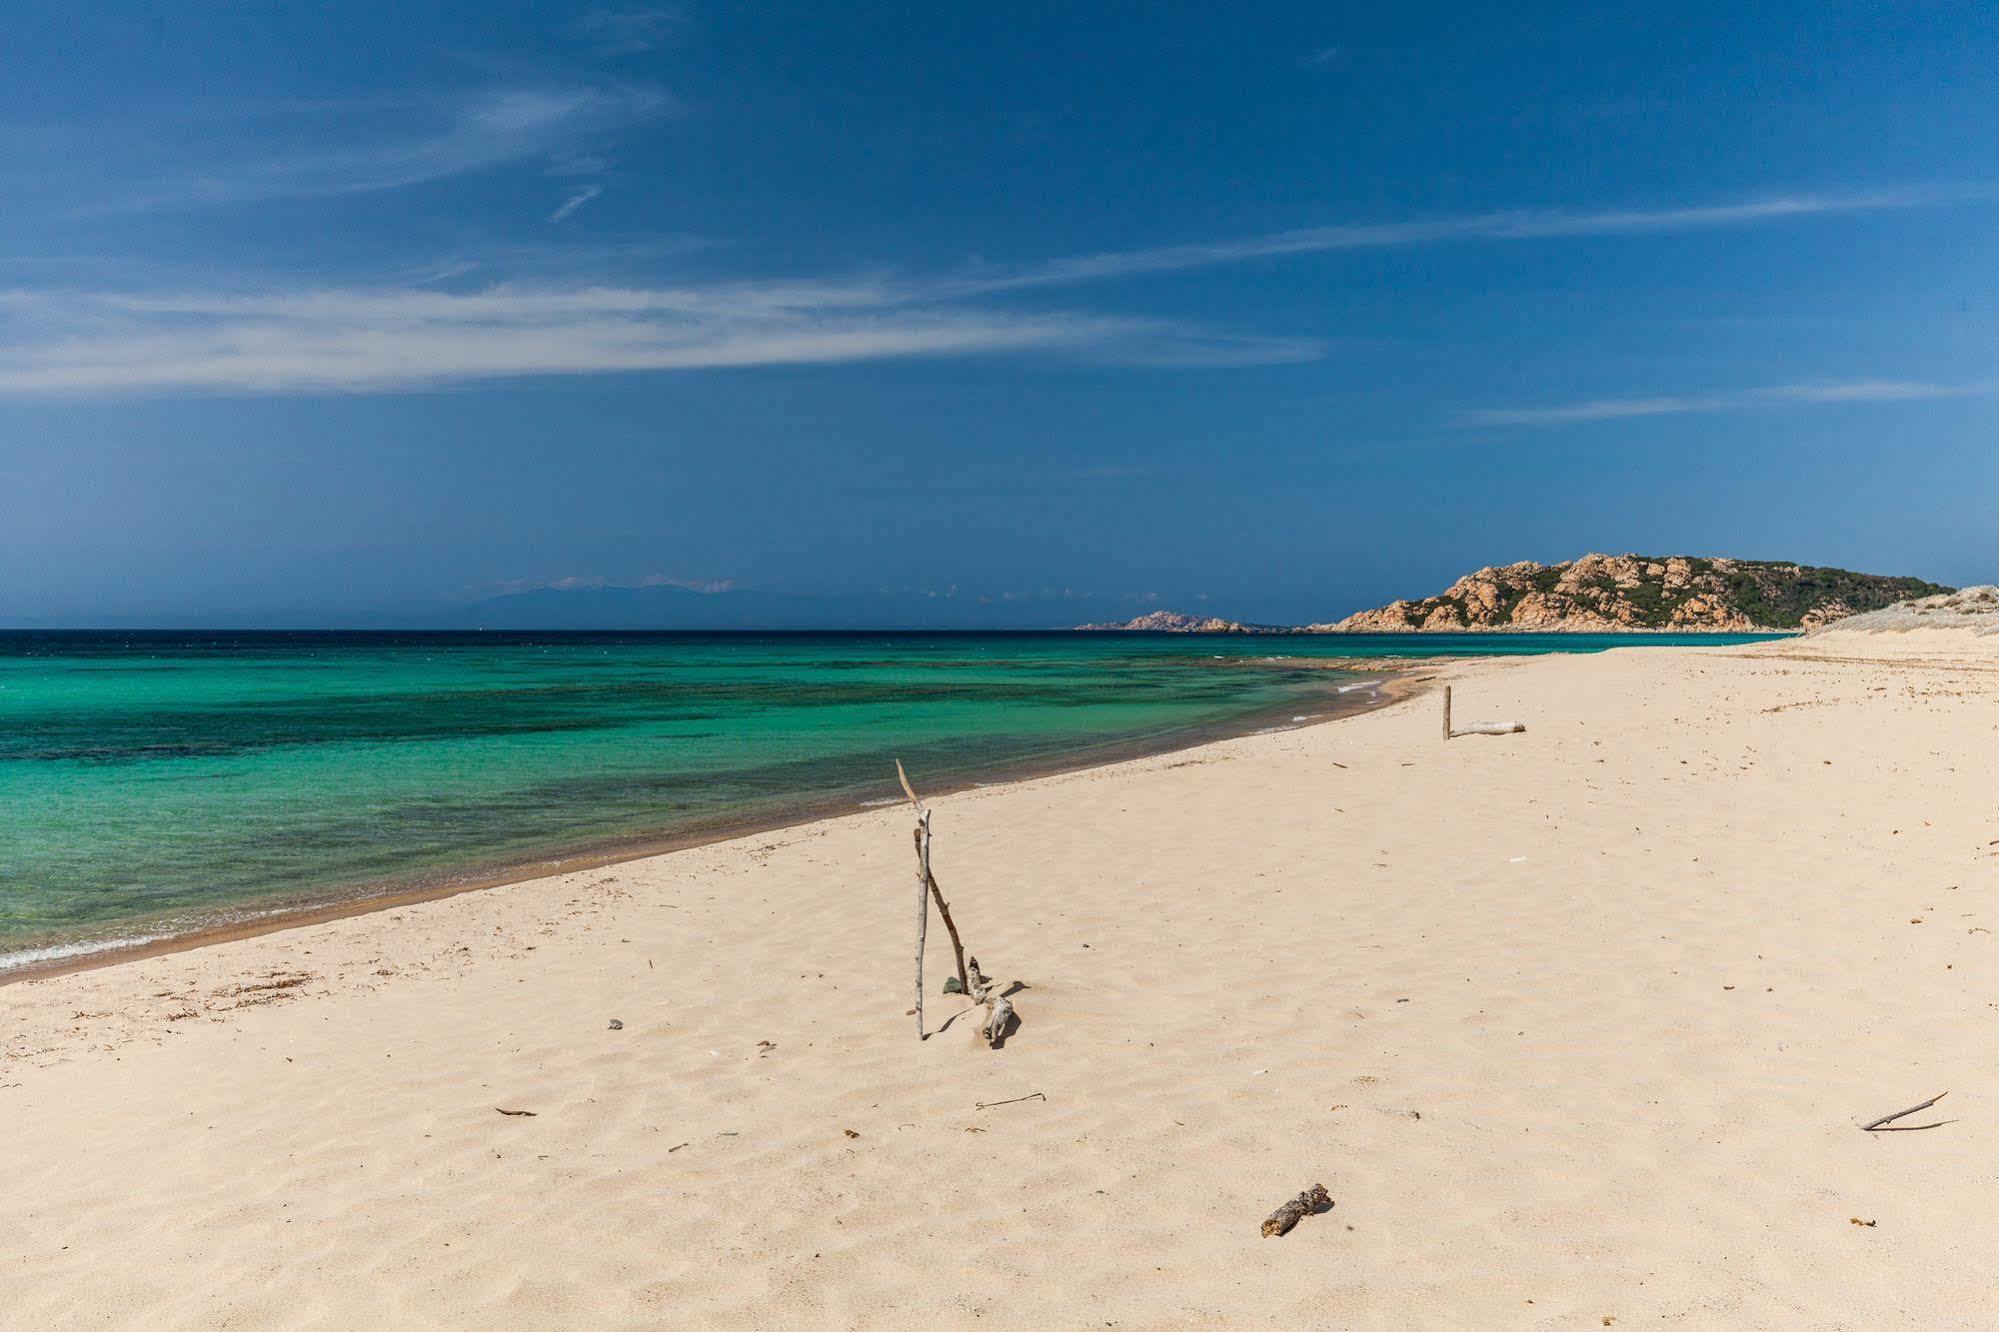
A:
(1608, 593)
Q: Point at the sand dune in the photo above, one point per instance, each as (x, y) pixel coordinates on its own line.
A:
(1575, 1025)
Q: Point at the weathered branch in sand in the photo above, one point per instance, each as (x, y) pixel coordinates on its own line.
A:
(999, 1009)
(972, 982)
(923, 861)
(999, 1016)
(1447, 712)
(950, 926)
(1314, 1199)
(1887, 1124)
(922, 906)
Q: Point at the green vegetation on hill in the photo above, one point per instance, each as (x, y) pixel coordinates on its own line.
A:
(1783, 602)
(1648, 592)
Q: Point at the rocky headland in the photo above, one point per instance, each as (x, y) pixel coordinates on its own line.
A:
(1610, 594)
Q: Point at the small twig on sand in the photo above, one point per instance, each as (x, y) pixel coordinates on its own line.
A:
(1314, 1199)
(1887, 1124)
(530, 1114)
(1031, 1096)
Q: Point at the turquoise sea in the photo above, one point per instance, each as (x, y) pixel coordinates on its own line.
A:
(154, 783)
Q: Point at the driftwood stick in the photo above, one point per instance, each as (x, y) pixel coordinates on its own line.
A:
(1887, 1124)
(1012, 1100)
(999, 1009)
(1447, 713)
(999, 1016)
(936, 893)
(971, 981)
(923, 886)
(922, 907)
(1314, 1199)
(944, 910)
(951, 927)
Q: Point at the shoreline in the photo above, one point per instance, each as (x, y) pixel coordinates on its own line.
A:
(1461, 630)
(1400, 679)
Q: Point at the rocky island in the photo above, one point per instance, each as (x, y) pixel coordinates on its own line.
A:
(1173, 622)
(1610, 594)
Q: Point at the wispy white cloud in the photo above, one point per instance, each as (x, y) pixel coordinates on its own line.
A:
(1498, 226)
(1770, 396)
(361, 339)
(376, 340)
(576, 201)
(377, 145)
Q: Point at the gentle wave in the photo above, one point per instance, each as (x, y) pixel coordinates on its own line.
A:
(29, 957)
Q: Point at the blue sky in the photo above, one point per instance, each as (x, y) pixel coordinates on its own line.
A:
(978, 315)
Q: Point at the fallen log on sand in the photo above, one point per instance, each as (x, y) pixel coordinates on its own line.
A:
(1490, 728)
(1476, 728)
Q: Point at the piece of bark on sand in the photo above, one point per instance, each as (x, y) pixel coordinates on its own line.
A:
(1314, 1199)
(1000, 1018)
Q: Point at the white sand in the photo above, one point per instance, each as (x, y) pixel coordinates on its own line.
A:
(1574, 1025)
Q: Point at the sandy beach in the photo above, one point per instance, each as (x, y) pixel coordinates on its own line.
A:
(1578, 1027)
